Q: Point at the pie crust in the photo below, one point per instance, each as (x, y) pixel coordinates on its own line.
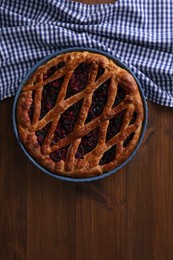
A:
(78, 143)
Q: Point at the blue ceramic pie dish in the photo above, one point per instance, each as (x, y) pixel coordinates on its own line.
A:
(61, 177)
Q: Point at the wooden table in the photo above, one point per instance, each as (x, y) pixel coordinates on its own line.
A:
(127, 216)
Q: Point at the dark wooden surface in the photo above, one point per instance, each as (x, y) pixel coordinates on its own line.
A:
(127, 216)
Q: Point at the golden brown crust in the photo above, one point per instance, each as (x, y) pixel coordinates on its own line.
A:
(89, 164)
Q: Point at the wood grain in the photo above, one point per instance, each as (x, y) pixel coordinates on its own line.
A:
(128, 215)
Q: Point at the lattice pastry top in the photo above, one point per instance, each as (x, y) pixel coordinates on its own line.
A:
(80, 114)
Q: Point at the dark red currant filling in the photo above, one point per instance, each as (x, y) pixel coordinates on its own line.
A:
(128, 139)
(41, 134)
(100, 72)
(49, 96)
(114, 125)
(120, 96)
(134, 116)
(88, 143)
(67, 122)
(78, 79)
(98, 101)
(53, 69)
(108, 156)
(59, 154)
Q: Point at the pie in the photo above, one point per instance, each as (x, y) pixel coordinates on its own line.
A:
(80, 114)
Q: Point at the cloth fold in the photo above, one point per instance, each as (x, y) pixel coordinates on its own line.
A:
(139, 33)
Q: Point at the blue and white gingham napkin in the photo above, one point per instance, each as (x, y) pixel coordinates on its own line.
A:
(139, 33)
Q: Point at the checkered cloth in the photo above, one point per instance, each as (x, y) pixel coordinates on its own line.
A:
(139, 33)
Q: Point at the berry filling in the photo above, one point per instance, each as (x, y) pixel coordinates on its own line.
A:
(78, 79)
(134, 116)
(120, 96)
(128, 139)
(67, 122)
(98, 101)
(108, 156)
(52, 70)
(49, 96)
(42, 134)
(88, 143)
(100, 72)
(59, 154)
(115, 125)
